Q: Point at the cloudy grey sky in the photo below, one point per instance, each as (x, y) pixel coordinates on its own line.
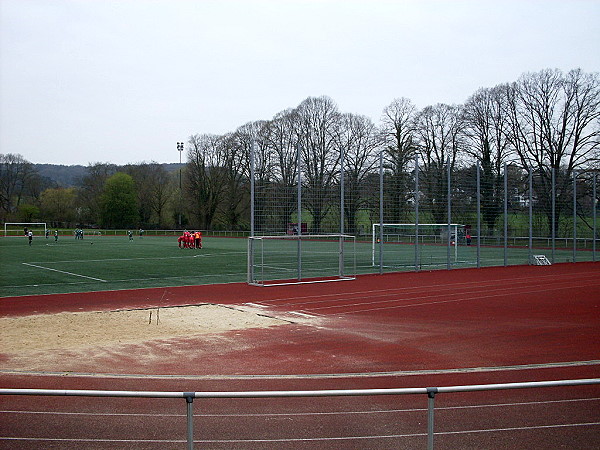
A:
(123, 80)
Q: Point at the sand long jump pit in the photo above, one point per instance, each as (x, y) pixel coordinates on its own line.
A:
(88, 340)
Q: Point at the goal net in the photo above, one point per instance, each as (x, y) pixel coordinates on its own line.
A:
(403, 244)
(296, 259)
(18, 228)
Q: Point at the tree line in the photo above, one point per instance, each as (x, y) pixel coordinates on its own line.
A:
(108, 196)
(546, 123)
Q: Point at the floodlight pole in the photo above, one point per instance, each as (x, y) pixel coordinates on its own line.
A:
(180, 147)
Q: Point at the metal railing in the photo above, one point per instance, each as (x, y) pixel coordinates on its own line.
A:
(431, 392)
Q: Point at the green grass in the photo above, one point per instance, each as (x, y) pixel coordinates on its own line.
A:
(113, 262)
(110, 263)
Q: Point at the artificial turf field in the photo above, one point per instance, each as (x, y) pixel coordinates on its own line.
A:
(99, 263)
(114, 263)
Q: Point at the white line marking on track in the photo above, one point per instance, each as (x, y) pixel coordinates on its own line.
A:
(317, 439)
(535, 427)
(395, 436)
(256, 305)
(479, 297)
(497, 288)
(306, 413)
(68, 273)
(302, 314)
(449, 286)
(41, 439)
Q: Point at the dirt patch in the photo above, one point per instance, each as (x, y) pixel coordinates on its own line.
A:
(75, 331)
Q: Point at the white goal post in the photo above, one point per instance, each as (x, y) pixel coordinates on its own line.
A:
(300, 259)
(17, 228)
(421, 234)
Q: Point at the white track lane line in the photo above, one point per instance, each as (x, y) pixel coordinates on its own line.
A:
(308, 413)
(317, 439)
(479, 297)
(447, 286)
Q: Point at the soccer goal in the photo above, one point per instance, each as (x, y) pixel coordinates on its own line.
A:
(408, 244)
(18, 228)
(296, 259)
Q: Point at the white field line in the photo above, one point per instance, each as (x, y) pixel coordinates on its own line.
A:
(68, 273)
(128, 280)
(205, 255)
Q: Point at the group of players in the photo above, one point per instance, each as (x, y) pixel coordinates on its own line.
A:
(190, 240)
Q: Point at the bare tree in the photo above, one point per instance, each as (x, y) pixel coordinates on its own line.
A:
(398, 134)
(357, 138)
(237, 164)
(15, 174)
(205, 177)
(486, 130)
(317, 124)
(153, 190)
(438, 132)
(280, 136)
(554, 127)
(92, 186)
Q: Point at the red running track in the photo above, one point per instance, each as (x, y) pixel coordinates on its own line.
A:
(395, 330)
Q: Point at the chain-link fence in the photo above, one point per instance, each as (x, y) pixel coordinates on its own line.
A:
(435, 214)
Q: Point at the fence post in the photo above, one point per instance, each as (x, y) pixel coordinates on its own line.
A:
(574, 216)
(189, 398)
(252, 195)
(431, 391)
(381, 212)
(530, 214)
(449, 206)
(417, 212)
(299, 214)
(594, 216)
(553, 232)
(505, 215)
(342, 215)
(478, 216)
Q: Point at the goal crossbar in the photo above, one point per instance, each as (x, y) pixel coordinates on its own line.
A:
(22, 225)
(300, 259)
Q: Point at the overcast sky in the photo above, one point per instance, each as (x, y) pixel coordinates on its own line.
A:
(122, 81)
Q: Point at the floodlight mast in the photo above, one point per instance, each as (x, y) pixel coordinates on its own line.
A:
(180, 147)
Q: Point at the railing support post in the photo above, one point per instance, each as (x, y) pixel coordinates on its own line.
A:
(189, 398)
(431, 391)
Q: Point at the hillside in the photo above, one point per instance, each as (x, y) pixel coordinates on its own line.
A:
(69, 176)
